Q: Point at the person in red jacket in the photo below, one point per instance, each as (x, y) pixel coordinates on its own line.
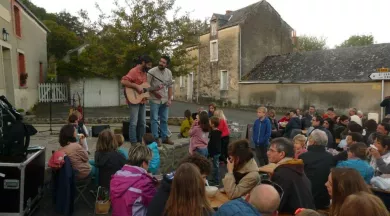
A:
(224, 128)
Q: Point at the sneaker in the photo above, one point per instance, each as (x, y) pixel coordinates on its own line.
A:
(168, 142)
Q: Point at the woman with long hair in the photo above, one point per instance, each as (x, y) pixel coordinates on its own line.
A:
(362, 204)
(341, 183)
(199, 134)
(243, 172)
(188, 193)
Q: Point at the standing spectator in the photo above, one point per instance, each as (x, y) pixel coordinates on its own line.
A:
(242, 171)
(212, 108)
(308, 117)
(290, 175)
(386, 104)
(188, 194)
(186, 124)
(293, 124)
(132, 188)
(199, 133)
(214, 147)
(261, 135)
(318, 163)
(357, 160)
(362, 204)
(341, 183)
(224, 128)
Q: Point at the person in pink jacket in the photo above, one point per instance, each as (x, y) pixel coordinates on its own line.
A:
(132, 188)
(199, 134)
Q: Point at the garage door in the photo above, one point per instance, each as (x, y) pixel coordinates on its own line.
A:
(101, 93)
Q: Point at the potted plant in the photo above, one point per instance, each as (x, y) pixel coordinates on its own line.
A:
(103, 203)
(23, 79)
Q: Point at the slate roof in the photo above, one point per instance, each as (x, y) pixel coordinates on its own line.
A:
(353, 64)
(236, 17)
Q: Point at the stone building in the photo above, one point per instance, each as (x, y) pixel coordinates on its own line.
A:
(23, 54)
(237, 41)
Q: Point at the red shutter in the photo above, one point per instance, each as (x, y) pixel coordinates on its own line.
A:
(22, 67)
(18, 26)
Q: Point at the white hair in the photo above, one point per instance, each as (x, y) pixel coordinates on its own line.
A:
(359, 112)
(319, 137)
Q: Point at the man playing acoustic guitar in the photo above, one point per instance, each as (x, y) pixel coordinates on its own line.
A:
(134, 79)
(160, 99)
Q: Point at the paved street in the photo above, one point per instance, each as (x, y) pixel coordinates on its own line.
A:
(176, 110)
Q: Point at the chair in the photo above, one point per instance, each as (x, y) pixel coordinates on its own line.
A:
(278, 188)
(82, 187)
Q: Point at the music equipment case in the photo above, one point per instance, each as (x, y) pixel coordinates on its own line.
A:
(22, 184)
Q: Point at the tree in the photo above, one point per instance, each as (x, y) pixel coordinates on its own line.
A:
(311, 43)
(60, 40)
(72, 23)
(135, 29)
(357, 40)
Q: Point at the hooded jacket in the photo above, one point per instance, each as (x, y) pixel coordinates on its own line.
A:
(289, 174)
(242, 181)
(261, 132)
(108, 164)
(131, 190)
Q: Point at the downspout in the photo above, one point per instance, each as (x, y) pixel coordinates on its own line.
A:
(240, 62)
(240, 52)
(198, 74)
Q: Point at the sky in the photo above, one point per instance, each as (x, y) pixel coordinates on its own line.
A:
(335, 20)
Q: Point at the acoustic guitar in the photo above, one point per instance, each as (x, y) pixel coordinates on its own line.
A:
(135, 98)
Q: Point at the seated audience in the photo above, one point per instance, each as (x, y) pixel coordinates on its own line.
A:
(284, 121)
(274, 123)
(188, 193)
(341, 126)
(382, 129)
(263, 200)
(329, 125)
(293, 124)
(242, 171)
(199, 133)
(354, 117)
(107, 159)
(77, 154)
(357, 160)
(352, 138)
(299, 145)
(290, 175)
(380, 155)
(318, 124)
(151, 143)
(362, 204)
(81, 131)
(341, 183)
(157, 205)
(318, 163)
(121, 140)
(370, 127)
(214, 148)
(186, 124)
(132, 188)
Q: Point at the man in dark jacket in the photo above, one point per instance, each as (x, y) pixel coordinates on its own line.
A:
(318, 163)
(157, 205)
(341, 126)
(289, 174)
(293, 124)
(386, 103)
(317, 124)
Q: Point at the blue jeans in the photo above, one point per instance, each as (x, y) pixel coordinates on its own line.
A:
(202, 151)
(216, 168)
(137, 122)
(159, 112)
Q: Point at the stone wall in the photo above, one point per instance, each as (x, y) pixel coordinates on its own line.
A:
(171, 155)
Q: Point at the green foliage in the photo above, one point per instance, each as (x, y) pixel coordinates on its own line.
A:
(135, 29)
(357, 40)
(311, 43)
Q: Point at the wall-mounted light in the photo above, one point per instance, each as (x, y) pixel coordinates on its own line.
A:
(5, 35)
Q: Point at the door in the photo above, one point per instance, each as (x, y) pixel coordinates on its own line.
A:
(190, 82)
(101, 92)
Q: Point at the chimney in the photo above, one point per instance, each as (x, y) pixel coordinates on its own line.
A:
(228, 12)
(294, 40)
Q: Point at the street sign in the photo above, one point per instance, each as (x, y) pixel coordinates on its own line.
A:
(382, 70)
(380, 76)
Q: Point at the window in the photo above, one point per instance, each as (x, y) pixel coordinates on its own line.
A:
(41, 77)
(224, 80)
(182, 82)
(213, 28)
(18, 27)
(22, 70)
(214, 50)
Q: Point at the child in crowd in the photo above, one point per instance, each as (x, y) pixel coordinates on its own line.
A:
(214, 147)
(224, 128)
(107, 159)
(186, 124)
(212, 108)
(199, 133)
(121, 140)
(261, 135)
(154, 164)
(299, 145)
(73, 119)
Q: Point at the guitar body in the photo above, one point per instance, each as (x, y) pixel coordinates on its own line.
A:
(134, 97)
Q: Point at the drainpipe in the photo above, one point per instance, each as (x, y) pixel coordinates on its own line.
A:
(240, 52)
(198, 74)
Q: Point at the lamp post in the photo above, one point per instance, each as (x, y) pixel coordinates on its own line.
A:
(5, 35)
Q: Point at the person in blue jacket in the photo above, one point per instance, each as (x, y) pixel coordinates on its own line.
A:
(150, 141)
(261, 135)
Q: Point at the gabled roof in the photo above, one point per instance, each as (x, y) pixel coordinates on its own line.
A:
(236, 17)
(31, 14)
(353, 64)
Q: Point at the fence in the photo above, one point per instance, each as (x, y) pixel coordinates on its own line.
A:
(59, 92)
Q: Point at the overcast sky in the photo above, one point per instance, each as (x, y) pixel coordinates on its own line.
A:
(334, 19)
